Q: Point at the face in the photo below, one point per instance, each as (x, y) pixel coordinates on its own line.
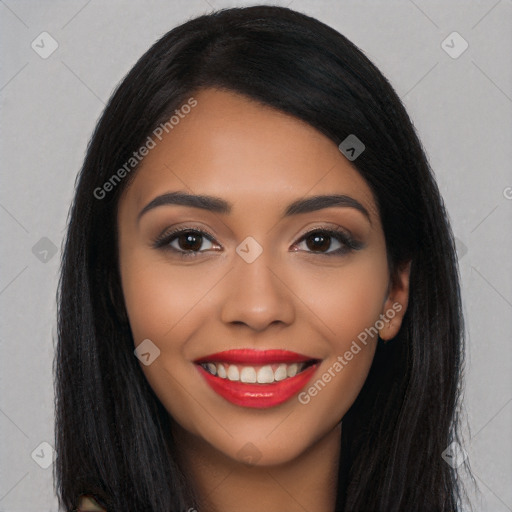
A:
(257, 304)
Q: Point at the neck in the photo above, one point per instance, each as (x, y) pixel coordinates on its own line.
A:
(221, 484)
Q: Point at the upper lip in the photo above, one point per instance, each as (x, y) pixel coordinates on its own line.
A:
(254, 357)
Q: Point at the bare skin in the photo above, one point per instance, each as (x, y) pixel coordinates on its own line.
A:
(297, 295)
(88, 504)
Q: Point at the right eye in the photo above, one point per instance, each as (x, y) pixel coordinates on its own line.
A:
(186, 241)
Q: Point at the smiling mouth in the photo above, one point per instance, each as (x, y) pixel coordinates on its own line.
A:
(260, 374)
(251, 366)
(257, 378)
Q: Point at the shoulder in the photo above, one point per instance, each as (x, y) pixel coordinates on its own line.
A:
(89, 504)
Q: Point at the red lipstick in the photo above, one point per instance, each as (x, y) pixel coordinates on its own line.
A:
(257, 378)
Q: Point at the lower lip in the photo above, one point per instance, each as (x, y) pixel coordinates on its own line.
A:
(259, 396)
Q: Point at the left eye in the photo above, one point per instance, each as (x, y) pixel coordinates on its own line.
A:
(324, 242)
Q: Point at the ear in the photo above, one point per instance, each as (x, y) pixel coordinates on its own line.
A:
(396, 302)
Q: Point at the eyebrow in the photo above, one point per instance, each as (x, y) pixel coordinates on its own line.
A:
(218, 205)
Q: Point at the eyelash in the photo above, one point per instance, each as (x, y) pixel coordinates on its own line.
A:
(349, 244)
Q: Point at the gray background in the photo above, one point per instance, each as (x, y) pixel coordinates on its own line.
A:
(462, 108)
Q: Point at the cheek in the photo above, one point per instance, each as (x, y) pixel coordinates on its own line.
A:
(161, 303)
(348, 301)
(167, 304)
(160, 296)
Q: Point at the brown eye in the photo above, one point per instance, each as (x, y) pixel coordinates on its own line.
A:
(328, 242)
(189, 241)
(318, 242)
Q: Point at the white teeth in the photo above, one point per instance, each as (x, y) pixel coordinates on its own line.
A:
(211, 368)
(233, 373)
(280, 373)
(248, 374)
(221, 371)
(292, 370)
(265, 375)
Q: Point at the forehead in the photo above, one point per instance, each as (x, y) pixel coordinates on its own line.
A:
(234, 147)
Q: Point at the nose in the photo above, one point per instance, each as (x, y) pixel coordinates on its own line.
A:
(257, 296)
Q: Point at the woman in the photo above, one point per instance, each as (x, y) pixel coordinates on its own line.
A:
(259, 306)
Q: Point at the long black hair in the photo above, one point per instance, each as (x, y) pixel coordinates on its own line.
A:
(113, 436)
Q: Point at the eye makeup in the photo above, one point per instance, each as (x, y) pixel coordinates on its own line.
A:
(194, 236)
